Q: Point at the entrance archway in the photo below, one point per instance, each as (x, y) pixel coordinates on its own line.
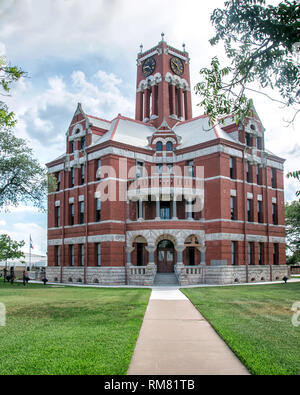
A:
(165, 256)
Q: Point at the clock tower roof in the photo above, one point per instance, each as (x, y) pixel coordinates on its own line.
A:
(163, 85)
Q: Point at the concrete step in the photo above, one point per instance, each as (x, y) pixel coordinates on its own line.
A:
(165, 279)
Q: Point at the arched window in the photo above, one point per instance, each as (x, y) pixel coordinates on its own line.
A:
(169, 146)
(159, 146)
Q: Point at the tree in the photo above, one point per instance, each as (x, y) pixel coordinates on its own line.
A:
(260, 41)
(10, 249)
(8, 75)
(292, 221)
(22, 178)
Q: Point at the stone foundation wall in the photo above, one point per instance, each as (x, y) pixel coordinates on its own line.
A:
(187, 275)
(94, 275)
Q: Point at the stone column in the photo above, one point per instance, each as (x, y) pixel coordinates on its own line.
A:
(174, 208)
(180, 110)
(189, 211)
(140, 210)
(157, 215)
(173, 98)
(128, 255)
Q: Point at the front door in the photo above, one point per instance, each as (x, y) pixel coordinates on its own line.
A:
(165, 257)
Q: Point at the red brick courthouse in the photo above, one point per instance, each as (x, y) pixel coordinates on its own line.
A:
(165, 192)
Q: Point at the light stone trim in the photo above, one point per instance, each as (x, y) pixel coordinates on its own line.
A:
(259, 198)
(274, 164)
(106, 238)
(55, 242)
(56, 168)
(274, 239)
(71, 200)
(75, 240)
(81, 198)
(274, 200)
(249, 195)
(232, 192)
(57, 203)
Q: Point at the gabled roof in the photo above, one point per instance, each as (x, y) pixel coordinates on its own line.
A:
(128, 131)
(199, 130)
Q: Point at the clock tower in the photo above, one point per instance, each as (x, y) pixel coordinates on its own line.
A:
(163, 89)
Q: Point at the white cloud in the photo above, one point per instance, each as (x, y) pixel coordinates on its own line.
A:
(2, 223)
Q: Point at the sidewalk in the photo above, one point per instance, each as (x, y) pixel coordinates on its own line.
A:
(176, 340)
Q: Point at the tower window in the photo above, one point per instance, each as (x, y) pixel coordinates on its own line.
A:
(57, 216)
(261, 253)
(98, 171)
(169, 146)
(275, 254)
(98, 254)
(159, 146)
(273, 177)
(71, 211)
(72, 146)
(72, 177)
(248, 139)
(57, 255)
(190, 164)
(71, 255)
(274, 214)
(58, 179)
(249, 210)
(258, 142)
(81, 254)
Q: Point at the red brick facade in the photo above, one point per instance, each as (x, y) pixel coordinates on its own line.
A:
(242, 219)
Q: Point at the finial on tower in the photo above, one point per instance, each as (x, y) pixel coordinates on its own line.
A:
(141, 46)
(162, 36)
(183, 45)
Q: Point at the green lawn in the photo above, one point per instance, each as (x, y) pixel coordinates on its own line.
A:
(255, 321)
(69, 330)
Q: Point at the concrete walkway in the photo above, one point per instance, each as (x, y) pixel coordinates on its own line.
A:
(176, 340)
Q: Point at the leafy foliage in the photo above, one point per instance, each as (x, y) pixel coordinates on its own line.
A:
(8, 75)
(22, 178)
(260, 41)
(292, 221)
(10, 249)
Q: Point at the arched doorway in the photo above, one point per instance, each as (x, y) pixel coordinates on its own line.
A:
(165, 256)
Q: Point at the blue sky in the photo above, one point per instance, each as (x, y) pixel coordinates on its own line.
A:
(85, 51)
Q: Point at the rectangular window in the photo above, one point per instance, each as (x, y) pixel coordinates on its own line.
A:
(260, 217)
(82, 143)
(71, 212)
(159, 168)
(249, 172)
(58, 180)
(233, 207)
(274, 214)
(81, 254)
(250, 253)
(258, 175)
(82, 170)
(248, 139)
(233, 252)
(249, 210)
(232, 168)
(72, 177)
(261, 253)
(275, 254)
(71, 255)
(258, 142)
(57, 255)
(57, 216)
(98, 170)
(98, 254)
(165, 212)
(98, 210)
(273, 178)
(72, 146)
(139, 169)
(81, 212)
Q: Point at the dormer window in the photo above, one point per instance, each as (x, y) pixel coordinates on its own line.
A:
(159, 146)
(169, 146)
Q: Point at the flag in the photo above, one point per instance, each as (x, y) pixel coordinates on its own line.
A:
(31, 245)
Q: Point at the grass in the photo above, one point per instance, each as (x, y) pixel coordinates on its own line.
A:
(255, 321)
(69, 330)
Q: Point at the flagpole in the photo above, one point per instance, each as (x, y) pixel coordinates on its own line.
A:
(29, 252)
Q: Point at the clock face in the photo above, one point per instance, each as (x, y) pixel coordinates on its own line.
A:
(177, 66)
(149, 66)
